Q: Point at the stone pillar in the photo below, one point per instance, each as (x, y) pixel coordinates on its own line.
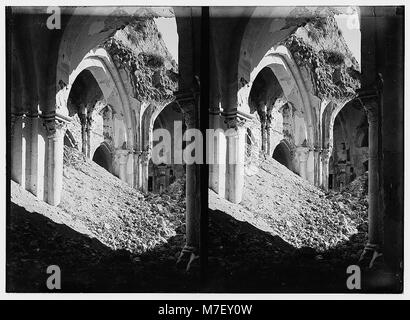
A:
(325, 157)
(18, 149)
(268, 125)
(144, 166)
(37, 173)
(317, 166)
(372, 249)
(82, 114)
(217, 169)
(263, 118)
(193, 197)
(122, 156)
(303, 155)
(89, 123)
(137, 169)
(235, 157)
(55, 126)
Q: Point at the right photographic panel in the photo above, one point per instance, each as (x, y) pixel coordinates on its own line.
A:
(305, 149)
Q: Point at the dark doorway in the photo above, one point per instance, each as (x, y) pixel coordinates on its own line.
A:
(282, 155)
(102, 157)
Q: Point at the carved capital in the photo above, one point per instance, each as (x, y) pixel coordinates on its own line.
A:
(370, 100)
(262, 115)
(235, 122)
(189, 117)
(326, 153)
(54, 127)
(188, 103)
(122, 155)
(13, 120)
(316, 148)
(145, 156)
(371, 108)
(303, 153)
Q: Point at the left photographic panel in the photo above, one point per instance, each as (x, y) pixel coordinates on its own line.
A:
(98, 101)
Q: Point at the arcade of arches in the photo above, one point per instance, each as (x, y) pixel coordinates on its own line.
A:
(275, 78)
(292, 90)
(103, 84)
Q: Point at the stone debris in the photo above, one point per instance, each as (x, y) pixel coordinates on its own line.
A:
(99, 204)
(297, 211)
(105, 235)
(286, 233)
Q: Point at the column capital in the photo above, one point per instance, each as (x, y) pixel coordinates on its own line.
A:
(371, 107)
(14, 117)
(186, 100)
(326, 153)
(316, 148)
(189, 117)
(262, 113)
(214, 110)
(234, 122)
(55, 124)
(303, 153)
(145, 156)
(121, 155)
(13, 120)
(370, 100)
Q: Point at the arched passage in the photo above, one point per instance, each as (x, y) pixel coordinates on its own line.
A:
(168, 117)
(350, 143)
(102, 156)
(282, 154)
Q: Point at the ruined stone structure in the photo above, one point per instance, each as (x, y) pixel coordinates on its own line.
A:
(282, 79)
(350, 146)
(101, 83)
(290, 79)
(288, 85)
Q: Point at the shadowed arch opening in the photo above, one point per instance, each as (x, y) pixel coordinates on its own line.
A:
(102, 157)
(282, 154)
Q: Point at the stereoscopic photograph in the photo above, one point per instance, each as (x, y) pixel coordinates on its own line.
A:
(205, 149)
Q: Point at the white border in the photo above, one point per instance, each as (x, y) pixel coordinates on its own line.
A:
(192, 296)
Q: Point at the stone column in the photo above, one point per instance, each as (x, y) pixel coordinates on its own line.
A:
(137, 169)
(263, 118)
(82, 114)
(303, 155)
(217, 169)
(372, 249)
(317, 166)
(88, 126)
(144, 166)
(325, 157)
(268, 126)
(235, 157)
(18, 149)
(122, 156)
(36, 174)
(55, 127)
(193, 197)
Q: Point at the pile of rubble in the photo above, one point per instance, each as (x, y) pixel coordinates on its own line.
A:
(286, 235)
(96, 203)
(280, 202)
(104, 235)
